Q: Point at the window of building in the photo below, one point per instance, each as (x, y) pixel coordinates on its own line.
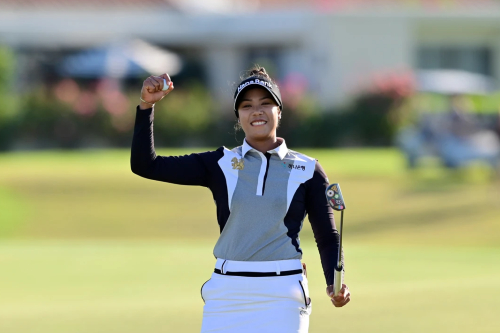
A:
(268, 57)
(472, 59)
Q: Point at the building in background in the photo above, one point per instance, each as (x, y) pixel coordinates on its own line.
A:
(334, 46)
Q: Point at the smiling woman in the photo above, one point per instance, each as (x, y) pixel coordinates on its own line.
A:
(262, 191)
(258, 108)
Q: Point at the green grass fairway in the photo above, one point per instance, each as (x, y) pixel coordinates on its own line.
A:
(86, 246)
(128, 287)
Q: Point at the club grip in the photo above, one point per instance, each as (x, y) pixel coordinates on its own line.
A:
(337, 282)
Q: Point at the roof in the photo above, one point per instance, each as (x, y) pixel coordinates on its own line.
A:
(78, 2)
(49, 4)
(247, 5)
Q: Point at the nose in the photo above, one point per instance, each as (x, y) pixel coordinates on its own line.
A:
(259, 109)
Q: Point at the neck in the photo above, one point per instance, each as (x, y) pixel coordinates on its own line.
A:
(265, 145)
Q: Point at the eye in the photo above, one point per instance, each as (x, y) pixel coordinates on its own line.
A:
(245, 106)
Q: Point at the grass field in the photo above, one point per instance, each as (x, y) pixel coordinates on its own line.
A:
(86, 246)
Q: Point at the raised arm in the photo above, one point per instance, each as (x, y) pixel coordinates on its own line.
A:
(185, 170)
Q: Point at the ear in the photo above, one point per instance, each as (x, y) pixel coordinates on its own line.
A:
(279, 114)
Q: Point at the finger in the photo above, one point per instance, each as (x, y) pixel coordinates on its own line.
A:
(157, 82)
(338, 299)
(166, 80)
(340, 295)
(149, 85)
(166, 77)
(344, 290)
(341, 298)
(337, 304)
(329, 291)
(170, 87)
(340, 304)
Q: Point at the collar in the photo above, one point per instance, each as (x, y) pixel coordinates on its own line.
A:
(281, 150)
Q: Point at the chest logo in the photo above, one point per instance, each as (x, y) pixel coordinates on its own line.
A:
(292, 166)
(237, 164)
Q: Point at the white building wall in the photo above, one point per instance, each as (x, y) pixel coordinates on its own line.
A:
(355, 47)
(223, 64)
(461, 31)
(335, 51)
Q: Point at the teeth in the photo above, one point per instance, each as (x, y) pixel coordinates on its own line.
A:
(258, 123)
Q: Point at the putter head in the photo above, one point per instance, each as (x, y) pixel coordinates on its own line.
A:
(334, 197)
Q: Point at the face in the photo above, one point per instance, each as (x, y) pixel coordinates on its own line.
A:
(259, 114)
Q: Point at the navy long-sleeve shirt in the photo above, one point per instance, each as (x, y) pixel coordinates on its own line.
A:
(261, 198)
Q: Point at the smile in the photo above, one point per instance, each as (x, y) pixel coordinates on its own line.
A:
(258, 123)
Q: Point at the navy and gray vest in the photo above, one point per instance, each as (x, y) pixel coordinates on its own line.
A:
(261, 198)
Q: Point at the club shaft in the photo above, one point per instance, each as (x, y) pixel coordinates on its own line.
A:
(339, 259)
(339, 269)
(338, 282)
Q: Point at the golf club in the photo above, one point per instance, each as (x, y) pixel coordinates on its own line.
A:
(336, 201)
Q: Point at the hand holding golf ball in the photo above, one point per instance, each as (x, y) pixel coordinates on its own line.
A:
(154, 89)
(342, 298)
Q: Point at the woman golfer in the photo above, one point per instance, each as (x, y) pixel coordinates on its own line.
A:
(262, 191)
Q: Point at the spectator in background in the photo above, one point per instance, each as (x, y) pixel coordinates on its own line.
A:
(456, 137)
(461, 139)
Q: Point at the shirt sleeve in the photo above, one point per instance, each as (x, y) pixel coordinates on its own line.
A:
(183, 170)
(323, 222)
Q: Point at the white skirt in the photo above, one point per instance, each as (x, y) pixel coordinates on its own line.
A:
(256, 304)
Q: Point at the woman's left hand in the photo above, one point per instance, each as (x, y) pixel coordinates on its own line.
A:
(342, 298)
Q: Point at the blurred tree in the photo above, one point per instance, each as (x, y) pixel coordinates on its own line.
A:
(7, 66)
(8, 99)
(184, 115)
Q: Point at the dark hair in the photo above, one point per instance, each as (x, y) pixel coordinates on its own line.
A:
(256, 71)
